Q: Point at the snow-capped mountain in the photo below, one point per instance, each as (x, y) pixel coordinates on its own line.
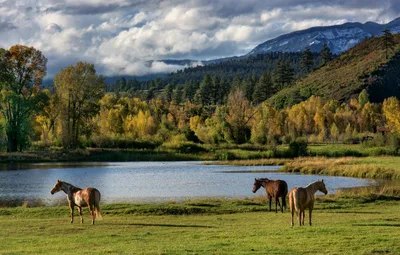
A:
(339, 37)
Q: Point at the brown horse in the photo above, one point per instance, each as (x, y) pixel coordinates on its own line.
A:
(89, 197)
(274, 189)
(303, 198)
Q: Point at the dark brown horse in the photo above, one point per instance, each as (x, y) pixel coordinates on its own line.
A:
(89, 197)
(275, 189)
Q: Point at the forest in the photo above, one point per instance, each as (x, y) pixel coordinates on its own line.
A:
(79, 110)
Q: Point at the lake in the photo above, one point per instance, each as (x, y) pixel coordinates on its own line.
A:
(151, 181)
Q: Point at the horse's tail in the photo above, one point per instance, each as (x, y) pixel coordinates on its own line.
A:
(96, 201)
(285, 192)
(296, 200)
(291, 202)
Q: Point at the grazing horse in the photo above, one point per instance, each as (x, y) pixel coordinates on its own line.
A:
(89, 197)
(302, 198)
(274, 189)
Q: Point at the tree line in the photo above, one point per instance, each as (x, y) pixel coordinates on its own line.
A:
(79, 111)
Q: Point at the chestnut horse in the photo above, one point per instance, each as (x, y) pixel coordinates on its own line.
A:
(274, 189)
(89, 197)
(303, 198)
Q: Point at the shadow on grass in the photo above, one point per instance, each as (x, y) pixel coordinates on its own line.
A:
(377, 225)
(356, 212)
(160, 225)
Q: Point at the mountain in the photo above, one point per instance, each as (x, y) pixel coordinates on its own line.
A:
(339, 37)
(364, 66)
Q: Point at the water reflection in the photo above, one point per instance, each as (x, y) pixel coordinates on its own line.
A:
(151, 181)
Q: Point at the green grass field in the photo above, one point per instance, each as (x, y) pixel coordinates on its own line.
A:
(340, 226)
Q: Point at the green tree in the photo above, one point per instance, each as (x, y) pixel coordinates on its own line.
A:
(22, 70)
(206, 87)
(307, 61)
(79, 90)
(263, 89)
(283, 74)
(326, 54)
(363, 98)
(388, 41)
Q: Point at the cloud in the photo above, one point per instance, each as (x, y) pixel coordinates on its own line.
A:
(122, 37)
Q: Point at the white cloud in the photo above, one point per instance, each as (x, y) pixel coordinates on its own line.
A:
(121, 36)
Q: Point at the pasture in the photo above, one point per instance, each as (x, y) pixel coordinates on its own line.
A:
(214, 226)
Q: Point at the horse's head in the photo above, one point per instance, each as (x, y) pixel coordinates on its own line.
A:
(321, 187)
(257, 184)
(57, 187)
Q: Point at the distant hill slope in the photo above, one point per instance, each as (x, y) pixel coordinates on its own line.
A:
(362, 67)
(339, 37)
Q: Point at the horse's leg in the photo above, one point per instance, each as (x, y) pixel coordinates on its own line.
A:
(80, 213)
(309, 212)
(270, 201)
(304, 215)
(299, 216)
(276, 204)
(91, 208)
(279, 203)
(71, 208)
(291, 216)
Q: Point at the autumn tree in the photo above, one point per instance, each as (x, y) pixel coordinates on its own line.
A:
(22, 70)
(391, 109)
(79, 90)
(239, 114)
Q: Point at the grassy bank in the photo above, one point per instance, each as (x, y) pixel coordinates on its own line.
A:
(341, 226)
(362, 167)
(186, 151)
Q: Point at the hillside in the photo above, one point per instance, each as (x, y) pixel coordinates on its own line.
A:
(362, 67)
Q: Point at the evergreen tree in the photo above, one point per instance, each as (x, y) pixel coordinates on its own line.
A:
(250, 86)
(307, 61)
(326, 54)
(206, 87)
(214, 91)
(283, 74)
(177, 94)
(388, 41)
(167, 94)
(223, 90)
(264, 88)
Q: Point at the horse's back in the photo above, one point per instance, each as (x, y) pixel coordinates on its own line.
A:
(300, 197)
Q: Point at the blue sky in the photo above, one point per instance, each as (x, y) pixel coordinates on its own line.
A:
(119, 36)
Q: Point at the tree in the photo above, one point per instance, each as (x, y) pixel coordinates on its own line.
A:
(363, 98)
(388, 41)
(264, 88)
(239, 115)
(326, 54)
(307, 61)
(79, 90)
(22, 70)
(283, 74)
(206, 89)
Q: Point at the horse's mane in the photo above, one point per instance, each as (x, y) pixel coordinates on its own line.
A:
(312, 183)
(73, 187)
(263, 179)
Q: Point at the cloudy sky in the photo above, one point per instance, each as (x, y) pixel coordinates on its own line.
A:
(119, 36)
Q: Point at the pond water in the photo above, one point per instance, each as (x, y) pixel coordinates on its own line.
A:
(151, 181)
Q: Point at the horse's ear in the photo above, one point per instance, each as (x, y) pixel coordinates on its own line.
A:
(322, 180)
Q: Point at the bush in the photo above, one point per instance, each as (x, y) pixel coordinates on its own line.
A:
(298, 148)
